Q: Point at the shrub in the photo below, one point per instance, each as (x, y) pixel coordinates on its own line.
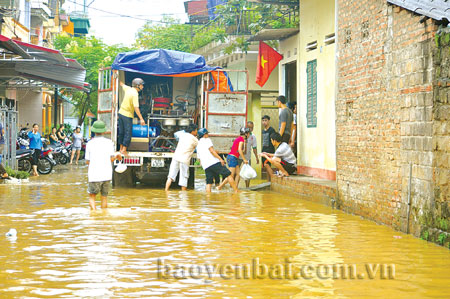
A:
(17, 174)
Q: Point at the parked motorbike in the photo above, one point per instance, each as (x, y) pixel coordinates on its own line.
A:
(24, 159)
(60, 153)
(46, 161)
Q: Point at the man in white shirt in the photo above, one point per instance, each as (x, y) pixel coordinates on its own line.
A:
(182, 158)
(99, 155)
(283, 158)
(251, 146)
(212, 163)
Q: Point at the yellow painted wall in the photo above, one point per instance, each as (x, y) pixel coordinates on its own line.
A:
(13, 29)
(317, 146)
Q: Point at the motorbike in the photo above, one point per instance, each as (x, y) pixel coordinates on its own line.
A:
(60, 153)
(46, 161)
(24, 159)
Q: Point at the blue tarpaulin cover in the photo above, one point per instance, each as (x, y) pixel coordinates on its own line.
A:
(160, 62)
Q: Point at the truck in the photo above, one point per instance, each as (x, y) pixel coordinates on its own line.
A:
(180, 89)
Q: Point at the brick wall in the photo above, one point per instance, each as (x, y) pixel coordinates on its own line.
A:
(435, 222)
(305, 188)
(384, 111)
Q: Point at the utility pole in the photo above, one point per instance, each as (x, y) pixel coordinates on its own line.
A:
(55, 112)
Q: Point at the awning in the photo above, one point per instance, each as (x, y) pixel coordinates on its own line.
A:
(160, 62)
(23, 64)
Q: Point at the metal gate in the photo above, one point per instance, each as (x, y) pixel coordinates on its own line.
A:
(8, 119)
(226, 112)
(107, 101)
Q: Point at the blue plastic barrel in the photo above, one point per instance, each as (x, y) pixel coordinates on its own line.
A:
(144, 131)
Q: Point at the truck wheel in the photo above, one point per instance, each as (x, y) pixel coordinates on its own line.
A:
(126, 179)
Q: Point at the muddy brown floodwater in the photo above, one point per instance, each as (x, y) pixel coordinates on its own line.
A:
(152, 244)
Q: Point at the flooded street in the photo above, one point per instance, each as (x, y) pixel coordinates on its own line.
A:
(63, 250)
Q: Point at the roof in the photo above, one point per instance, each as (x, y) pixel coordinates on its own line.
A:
(436, 9)
(24, 60)
(274, 34)
(161, 62)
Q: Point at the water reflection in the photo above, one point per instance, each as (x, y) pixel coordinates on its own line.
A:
(64, 250)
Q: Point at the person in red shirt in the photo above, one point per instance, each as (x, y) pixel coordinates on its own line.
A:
(237, 150)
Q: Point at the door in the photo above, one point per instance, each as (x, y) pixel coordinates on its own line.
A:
(107, 101)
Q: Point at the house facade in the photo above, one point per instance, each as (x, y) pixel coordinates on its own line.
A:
(316, 89)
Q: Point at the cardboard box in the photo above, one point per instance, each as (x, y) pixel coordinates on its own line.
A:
(139, 144)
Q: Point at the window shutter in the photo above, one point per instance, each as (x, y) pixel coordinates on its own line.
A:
(311, 109)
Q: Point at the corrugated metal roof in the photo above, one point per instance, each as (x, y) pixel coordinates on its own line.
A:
(435, 9)
(40, 63)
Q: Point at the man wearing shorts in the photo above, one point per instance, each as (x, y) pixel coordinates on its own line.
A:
(212, 163)
(250, 147)
(99, 155)
(283, 158)
(182, 158)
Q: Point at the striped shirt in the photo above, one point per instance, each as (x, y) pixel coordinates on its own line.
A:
(285, 153)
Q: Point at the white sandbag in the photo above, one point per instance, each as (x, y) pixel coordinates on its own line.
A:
(247, 172)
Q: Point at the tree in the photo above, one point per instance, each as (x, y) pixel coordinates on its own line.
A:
(235, 17)
(170, 35)
(92, 53)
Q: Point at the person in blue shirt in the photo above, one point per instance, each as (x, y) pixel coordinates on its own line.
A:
(2, 141)
(36, 145)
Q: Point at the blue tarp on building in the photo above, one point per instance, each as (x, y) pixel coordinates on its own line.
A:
(160, 62)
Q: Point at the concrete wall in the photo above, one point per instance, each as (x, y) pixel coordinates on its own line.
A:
(30, 107)
(387, 112)
(317, 146)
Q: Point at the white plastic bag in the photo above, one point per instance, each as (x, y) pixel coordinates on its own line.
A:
(247, 172)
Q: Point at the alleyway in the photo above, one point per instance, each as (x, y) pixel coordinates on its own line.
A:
(63, 250)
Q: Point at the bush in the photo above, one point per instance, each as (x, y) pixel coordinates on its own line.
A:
(17, 174)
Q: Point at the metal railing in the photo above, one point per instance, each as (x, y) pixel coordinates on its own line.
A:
(8, 119)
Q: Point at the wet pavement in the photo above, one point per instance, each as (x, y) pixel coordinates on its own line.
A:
(148, 243)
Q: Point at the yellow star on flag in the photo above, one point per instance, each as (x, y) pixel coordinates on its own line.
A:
(263, 61)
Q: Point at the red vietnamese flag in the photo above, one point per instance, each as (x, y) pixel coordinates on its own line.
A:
(268, 59)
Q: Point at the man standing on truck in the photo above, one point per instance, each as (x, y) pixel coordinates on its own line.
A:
(130, 104)
(182, 158)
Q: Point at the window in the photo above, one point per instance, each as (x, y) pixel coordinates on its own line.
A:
(311, 46)
(330, 39)
(311, 109)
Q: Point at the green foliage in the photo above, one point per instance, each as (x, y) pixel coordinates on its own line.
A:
(425, 235)
(93, 54)
(68, 129)
(441, 238)
(205, 37)
(17, 174)
(236, 17)
(170, 35)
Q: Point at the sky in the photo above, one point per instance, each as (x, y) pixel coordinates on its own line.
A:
(114, 29)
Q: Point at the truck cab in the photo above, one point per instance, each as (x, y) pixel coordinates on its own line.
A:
(179, 90)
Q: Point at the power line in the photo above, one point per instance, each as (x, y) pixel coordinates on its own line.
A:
(122, 15)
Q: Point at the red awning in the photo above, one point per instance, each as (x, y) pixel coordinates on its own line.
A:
(27, 61)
